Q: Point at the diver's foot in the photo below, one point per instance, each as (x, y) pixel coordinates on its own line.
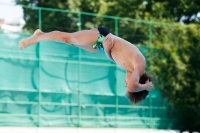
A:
(28, 41)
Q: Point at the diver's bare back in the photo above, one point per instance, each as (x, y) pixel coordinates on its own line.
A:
(126, 55)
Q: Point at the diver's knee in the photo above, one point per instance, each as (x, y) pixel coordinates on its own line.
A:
(63, 37)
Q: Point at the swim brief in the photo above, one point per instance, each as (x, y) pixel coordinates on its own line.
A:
(103, 32)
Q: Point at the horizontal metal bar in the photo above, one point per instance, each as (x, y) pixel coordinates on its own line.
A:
(64, 92)
(93, 14)
(17, 52)
(123, 106)
(99, 15)
(88, 117)
(57, 103)
(20, 115)
(17, 102)
(58, 92)
(83, 104)
(23, 90)
(58, 60)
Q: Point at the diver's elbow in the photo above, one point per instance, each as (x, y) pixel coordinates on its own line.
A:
(132, 87)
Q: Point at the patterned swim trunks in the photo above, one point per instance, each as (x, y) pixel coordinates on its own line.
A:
(99, 43)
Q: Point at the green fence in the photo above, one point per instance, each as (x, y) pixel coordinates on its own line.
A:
(53, 84)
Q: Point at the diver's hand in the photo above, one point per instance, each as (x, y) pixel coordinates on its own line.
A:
(148, 85)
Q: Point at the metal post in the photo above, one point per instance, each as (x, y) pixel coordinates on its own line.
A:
(150, 34)
(116, 94)
(79, 71)
(150, 96)
(40, 18)
(39, 66)
(116, 26)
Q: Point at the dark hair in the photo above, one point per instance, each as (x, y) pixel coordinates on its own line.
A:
(136, 97)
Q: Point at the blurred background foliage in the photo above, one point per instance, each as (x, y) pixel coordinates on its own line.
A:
(175, 60)
(173, 56)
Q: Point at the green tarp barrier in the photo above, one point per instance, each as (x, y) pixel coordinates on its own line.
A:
(54, 84)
